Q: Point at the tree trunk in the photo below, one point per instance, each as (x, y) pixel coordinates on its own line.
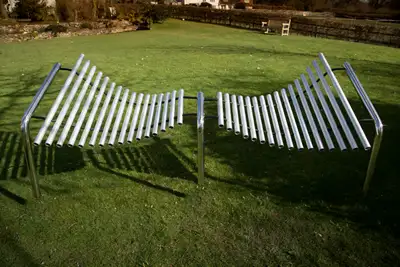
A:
(94, 10)
(3, 12)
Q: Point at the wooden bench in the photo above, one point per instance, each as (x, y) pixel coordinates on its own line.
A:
(281, 24)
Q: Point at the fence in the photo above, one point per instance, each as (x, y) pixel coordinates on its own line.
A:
(356, 31)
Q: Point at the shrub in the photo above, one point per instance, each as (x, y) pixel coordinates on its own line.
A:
(65, 10)
(205, 4)
(86, 25)
(240, 5)
(55, 29)
(36, 10)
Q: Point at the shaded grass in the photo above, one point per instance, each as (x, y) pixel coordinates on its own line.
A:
(140, 205)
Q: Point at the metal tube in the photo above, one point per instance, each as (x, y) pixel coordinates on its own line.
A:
(172, 110)
(243, 120)
(93, 113)
(228, 113)
(267, 122)
(251, 119)
(158, 115)
(135, 119)
(260, 129)
(310, 118)
(179, 119)
(275, 123)
(320, 119)
(57, 102)
(66, 105)
(118, 118)
(110, 116)
(100, 118)
(336, 107)
(372, 160)
(300, 118)
(345, 102)
(236, 123)
(327, 111)
(220, 110)
(367, 103)
(200, 136)
(75, 109)
(143, 117)
(25, 130)
(292, 120)
(165, 113)
(84, 110)
(150, 117)
(282, 117)
(125, 124)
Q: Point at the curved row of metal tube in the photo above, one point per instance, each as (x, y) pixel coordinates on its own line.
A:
(150, 112)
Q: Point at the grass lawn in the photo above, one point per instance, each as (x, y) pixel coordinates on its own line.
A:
(140, 205)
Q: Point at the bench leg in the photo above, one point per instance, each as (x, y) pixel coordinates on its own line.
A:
(30, 162)
(200, 137)
(372, 161)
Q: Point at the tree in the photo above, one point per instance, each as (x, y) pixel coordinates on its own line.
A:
(3, 11)
(31, 9)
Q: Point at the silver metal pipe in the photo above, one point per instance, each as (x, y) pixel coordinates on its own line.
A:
(75, 109)
(117, 121)
(57, 102)
(260, 129)
(179, 118)
(243, 119)
(158, 114)
(228, 113)
(143, 117)
(317, 113)
(327, 111)
(66, 105)
(200, 137)
(92, 115)
(110, 116)
(367, 103)
(345, 102)
(292, 120)
(100, 118)
(275, 123)
(84, 110)
(128, 114)
(267, 122)
(236, 123)
(165, 113)
(300, 118)
(25, 130)
(135, 118)
(310, 118)
(251, 119)
(172, 110)
(282, 117)
(150, 116)
(220, 110)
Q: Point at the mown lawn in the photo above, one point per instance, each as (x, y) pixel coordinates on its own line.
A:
(140, 205)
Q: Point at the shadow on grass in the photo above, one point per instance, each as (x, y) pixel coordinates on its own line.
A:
(327, 182)
(161, 158)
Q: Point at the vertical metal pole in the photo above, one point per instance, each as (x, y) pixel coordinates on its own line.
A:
(26, 138)
(373, 158)
(200, 136)
(30, 161)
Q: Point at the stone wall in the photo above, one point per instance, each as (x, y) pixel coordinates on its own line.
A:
(24, 32)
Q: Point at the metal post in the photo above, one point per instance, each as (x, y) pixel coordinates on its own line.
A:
(26, 138)
(200, 136)
(377, 120)
(373, 158)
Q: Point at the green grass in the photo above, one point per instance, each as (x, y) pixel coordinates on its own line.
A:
(140, 205)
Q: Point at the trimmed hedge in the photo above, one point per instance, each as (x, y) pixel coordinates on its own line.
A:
(326, 28)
